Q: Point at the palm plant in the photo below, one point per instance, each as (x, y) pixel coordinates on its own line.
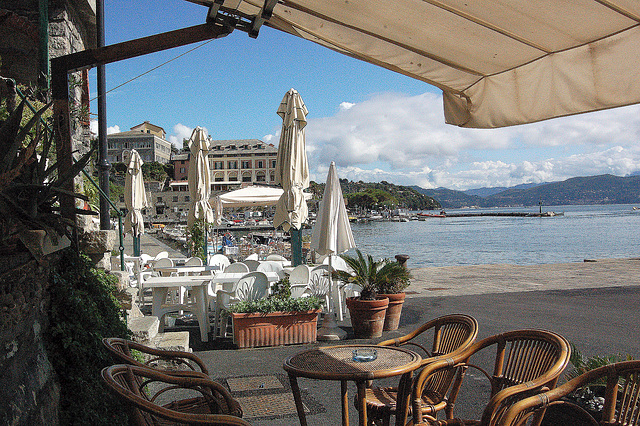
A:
(30, 186)
(374, 276)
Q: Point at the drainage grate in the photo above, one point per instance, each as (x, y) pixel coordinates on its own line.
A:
(268, 397)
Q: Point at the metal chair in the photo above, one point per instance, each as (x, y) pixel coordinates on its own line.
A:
(526, 362)
(157, 358)
(621, 399)
(156, 398)
(450, 334)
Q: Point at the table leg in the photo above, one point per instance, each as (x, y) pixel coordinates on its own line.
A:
(293, 380)
(362, 401)
(159, 294)
(200, 292)
(403, 398)
(345, 403)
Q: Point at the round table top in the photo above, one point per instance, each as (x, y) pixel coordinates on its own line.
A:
(336, 363)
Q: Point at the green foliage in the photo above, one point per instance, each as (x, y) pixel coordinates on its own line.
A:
(195, 240)
(83, 311)
(582, 364)
(281, 289)
(154, 171)
(274, 304)
(374, 276)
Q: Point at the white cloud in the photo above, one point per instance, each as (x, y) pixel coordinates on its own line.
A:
(403, 139)
(180, 132)
(93, 126)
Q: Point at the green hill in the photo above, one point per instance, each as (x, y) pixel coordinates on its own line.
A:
(602, 189)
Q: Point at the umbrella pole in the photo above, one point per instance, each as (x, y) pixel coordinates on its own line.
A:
(206, 244)
(296, 246)
(136, 245)
(330, 329)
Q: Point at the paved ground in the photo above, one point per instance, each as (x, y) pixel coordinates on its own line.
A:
(593, 304)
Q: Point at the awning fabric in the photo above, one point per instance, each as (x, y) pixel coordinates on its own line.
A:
(498, 63)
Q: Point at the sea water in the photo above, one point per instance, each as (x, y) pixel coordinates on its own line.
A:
(583, 232)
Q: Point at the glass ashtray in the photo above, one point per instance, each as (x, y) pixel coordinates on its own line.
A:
(364, 354)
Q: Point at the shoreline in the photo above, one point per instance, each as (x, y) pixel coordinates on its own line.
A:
(441, 281)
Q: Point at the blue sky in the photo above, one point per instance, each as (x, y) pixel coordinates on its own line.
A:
(375, 124)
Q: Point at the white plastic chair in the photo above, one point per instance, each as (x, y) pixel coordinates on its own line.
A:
(253, 256)
(193, 261)
(339, 298)
(272, 266)
(252, 286)
(299, 280)
(252, 264)
(219, 260)
(277, 257)
(350, 290)
(319, 284)
(237, 267)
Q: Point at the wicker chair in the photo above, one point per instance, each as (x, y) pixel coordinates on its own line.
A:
(450, 333)
(157, 398)
(621, 399)
(526, 362)
(158, 359)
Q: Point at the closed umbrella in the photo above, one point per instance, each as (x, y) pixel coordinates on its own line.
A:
(199, 182)
(331, 235)
(292, 171)
(135, 199)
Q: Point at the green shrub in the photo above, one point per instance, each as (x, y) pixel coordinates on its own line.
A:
(83, 311)
(269, 305)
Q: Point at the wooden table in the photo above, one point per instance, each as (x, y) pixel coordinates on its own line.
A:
(336, 363)
(198, 284)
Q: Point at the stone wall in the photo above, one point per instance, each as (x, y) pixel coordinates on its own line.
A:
(29, 393)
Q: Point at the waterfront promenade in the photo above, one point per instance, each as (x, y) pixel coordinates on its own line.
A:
(593, 304)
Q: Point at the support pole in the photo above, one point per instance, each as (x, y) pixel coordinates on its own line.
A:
(103, 165)
(296, 246)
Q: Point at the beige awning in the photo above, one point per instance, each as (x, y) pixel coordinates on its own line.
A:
(498, 63)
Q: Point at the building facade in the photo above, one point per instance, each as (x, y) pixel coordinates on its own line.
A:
(237, 163)
(180, 166)
(146, 138)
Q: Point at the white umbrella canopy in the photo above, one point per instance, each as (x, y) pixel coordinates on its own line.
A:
(135, 197)
(332, 231)
(199, 178)
(292, 168)
(498, 63)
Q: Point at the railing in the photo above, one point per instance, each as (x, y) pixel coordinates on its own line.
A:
(118, 212)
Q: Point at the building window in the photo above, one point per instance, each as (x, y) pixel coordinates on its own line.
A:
(260, 164)
(273, 164)
(260, 178)
(232, 164)
(218, 165)
(246, 178)
(175, 198)
(246, 165)
(187, 198)
(159, 200)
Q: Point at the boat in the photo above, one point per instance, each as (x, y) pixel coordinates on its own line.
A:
(431, 215)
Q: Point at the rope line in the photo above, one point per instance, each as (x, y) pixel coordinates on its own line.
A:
(154, 68)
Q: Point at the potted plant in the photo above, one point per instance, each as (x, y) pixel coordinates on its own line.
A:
(392, 286)
(276, 320)
(369, 310)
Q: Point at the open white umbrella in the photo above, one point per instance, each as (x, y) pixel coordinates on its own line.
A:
(135, 199)
(199, 181)
(292, 170)
(331, 235)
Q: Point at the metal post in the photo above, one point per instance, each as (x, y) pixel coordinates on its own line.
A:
(103, 165)
(296, 246)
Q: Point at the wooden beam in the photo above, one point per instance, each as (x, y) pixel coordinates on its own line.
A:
(129, 49)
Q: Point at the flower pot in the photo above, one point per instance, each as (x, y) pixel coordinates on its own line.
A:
(367, 316)
(274, 329)
(394, 310)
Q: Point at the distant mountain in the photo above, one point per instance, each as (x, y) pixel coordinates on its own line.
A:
(451, 199)
(485, 192)
(603, 189)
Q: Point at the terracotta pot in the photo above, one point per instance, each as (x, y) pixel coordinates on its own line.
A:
(367, 316)
(274, 329)
(392, 318)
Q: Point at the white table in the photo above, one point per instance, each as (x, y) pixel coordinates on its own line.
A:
(185, 270)
(198, 284)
